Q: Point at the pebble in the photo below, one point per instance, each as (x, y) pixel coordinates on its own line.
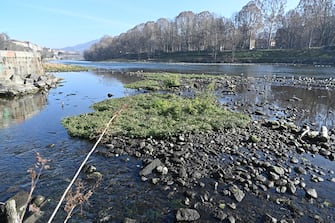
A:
(278, 170)
(186, 214)
(231, 219)
(311, 193)
(232, 206)
(294, 160)
(291, 188)
(237, 193)
(300, 170)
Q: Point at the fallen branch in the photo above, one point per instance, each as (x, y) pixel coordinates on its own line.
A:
(35, 176)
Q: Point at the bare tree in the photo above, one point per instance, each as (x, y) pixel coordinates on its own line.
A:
(290, 35)
(273, 11)
(318, 16)
(250, 22)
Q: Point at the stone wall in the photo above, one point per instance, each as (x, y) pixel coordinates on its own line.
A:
(22, 73)
(19, 63)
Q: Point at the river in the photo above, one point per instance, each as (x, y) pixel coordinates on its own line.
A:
(32, 124)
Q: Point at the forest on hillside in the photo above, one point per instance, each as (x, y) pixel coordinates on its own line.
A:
(260, 24)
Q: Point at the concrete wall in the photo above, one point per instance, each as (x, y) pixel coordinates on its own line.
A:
(19, 63)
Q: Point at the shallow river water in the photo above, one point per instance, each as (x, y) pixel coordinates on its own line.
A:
(32, 124)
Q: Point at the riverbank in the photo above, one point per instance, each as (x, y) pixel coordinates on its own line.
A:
(314, 56)
(30, 84)
(57, 67)
(267, 171)
(20, 85)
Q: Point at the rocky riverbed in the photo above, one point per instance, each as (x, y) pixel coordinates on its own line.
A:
(271, 171)
(274, 170)
(221, 173)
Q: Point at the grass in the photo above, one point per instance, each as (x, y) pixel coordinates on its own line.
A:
(166, 81)
(51, 67)
(157, 115)
(156, 81)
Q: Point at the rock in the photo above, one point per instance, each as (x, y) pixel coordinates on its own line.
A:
(300, 150)
(155, 180)
(34, 217)
(324, 137)
(331, 157)
(190, 194)
(38, 200)
(254, 139)
(311, 193)
(294, 160)
(40, 84)
(20, 200)
(269, 219)
(316, 179)
(162, 170)
(97, 176)
(324, 152)
(232, 206)
(274, 176)
(231, 219)
(150, 167)
(197, 175)
(221, 215)
(181, 138)
(261, 179)
(187, 201)
(237, 193)
(11, 212)
(273, 124)
(129, 220)
(300, 170)
(188, 215)
(278, 170)
(222, 205)
(291, 188)
(109, 146)
(259, 112)
(313, 135)
(89, 169)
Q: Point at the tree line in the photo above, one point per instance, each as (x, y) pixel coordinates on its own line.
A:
(260, 24)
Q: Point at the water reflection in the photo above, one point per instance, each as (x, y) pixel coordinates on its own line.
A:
(301, 105)
(313, 106)
(19, 109)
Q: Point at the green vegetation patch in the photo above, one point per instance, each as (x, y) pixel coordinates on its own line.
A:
(157, 115)
(51, 67)
(166, 81)
(156, 81)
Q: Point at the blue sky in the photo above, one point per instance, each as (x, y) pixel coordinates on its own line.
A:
(61, 23)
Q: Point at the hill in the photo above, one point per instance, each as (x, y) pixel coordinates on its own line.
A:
(80, 47)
